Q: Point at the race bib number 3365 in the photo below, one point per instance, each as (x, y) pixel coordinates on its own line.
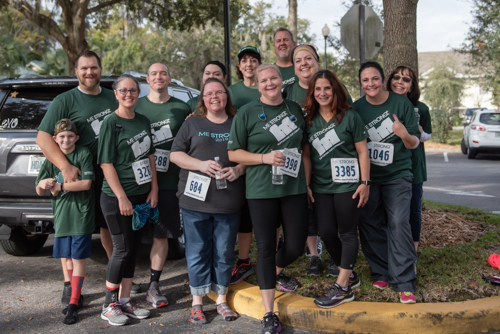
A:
(381, 154)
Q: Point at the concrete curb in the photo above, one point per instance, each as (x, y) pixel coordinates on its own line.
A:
(473, 316)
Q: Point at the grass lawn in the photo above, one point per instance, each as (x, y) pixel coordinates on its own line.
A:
(447, 274)
(455, 137)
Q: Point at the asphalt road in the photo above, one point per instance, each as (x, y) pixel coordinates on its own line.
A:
(454, 179)
(31, 288)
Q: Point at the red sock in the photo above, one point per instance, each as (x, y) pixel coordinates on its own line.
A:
(76, 289)
(70, 274)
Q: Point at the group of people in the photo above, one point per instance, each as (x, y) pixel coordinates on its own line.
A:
(256, 156)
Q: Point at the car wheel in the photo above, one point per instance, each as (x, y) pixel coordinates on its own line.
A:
(22, 243)
(472, 154)
(463, 147)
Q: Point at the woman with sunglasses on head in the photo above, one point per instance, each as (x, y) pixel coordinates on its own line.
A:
(384, 228)
(210, 215)
(126, 156)
(267, 134)
(212, 69)
(246, 90)
(403, 80)
(338, 176)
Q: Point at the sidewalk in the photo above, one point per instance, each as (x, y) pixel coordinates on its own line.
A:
(474, 316)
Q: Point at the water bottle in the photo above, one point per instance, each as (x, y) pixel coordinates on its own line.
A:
(277, 175)
(220, 183)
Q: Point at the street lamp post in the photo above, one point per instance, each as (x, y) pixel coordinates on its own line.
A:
(326, 32)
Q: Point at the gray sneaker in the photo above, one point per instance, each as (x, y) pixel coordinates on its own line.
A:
(131, 309)
(155, 297)
(114, 315)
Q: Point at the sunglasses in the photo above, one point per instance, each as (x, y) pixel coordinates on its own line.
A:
(405, 79)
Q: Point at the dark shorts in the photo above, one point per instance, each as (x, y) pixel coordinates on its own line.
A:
(76, 247)
(168, 206)
(99, 178)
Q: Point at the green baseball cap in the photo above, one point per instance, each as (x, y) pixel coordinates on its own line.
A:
(248, 48)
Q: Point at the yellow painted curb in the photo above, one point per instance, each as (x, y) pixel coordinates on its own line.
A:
(473, 316)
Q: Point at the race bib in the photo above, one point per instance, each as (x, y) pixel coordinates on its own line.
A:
(292, 162)
(381, 154)
(197, 186)
(142, 171)
(345, 170)
(162, 160)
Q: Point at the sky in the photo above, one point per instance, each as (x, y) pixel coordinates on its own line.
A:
(441, 24)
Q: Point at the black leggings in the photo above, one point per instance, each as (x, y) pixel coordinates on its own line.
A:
(265, 213)
(125, 240)
(338, 213)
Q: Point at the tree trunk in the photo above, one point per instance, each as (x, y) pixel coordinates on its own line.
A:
(292, 18)
(400, 34)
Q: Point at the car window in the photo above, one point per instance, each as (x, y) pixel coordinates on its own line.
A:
(490, 118)
(182, 95)
(24, 108)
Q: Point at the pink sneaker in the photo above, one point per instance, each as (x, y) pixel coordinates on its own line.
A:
(380, 284)
(407, 297)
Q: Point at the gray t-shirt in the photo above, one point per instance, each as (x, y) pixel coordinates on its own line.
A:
(204, 140)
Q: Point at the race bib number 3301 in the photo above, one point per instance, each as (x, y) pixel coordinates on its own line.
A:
(381, 154)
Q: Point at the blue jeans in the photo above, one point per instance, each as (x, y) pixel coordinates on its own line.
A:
(415, 211)
(210, 240)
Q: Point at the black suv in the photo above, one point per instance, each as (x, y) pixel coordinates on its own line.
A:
(26, 218)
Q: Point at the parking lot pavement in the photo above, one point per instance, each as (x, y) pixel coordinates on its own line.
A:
(31, 288)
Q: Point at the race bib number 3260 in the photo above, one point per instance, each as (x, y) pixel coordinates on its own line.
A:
(142, 171)
(197, 186)
(381, 154)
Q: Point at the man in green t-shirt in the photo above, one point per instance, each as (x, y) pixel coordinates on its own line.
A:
(86, 105)
(166, 115)
(283, 47)
(73, 206)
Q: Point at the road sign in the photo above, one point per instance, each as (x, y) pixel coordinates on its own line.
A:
(353, 31)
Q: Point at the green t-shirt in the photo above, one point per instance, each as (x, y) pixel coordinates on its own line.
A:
(333, 140)
(123, 142)
(87, 111)
(193, 102)
(288, 74)
(241, 94)
(277, 132)
(378, 123)
(74, 211)
(166, 119)
(419, 165)
(298, 94)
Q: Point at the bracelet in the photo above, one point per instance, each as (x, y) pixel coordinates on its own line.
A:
(262, 158)
(62, 186)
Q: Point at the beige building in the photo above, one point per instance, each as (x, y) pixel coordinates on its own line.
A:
(475, 95)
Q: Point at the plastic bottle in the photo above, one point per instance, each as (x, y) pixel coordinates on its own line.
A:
(220, 183)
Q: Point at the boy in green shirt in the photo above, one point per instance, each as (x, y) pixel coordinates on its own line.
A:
(74, 210)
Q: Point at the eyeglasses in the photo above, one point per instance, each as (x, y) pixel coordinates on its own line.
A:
(125, 91)
(405, 79)
(217, 93)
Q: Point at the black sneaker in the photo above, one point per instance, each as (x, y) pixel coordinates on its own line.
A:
(334, 297)
(241, 271)
(332, 269)
(79, 306)
(286, 282)
(136, 288)
(66, 295)
(354, 281)
(71, 315)
(314, 266)
(271, 323)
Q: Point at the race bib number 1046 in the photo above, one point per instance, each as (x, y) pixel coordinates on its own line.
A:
(381, 154)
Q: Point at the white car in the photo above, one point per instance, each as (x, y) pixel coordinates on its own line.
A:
(482, 134)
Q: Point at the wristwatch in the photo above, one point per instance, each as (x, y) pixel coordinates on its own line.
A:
(366, 183)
